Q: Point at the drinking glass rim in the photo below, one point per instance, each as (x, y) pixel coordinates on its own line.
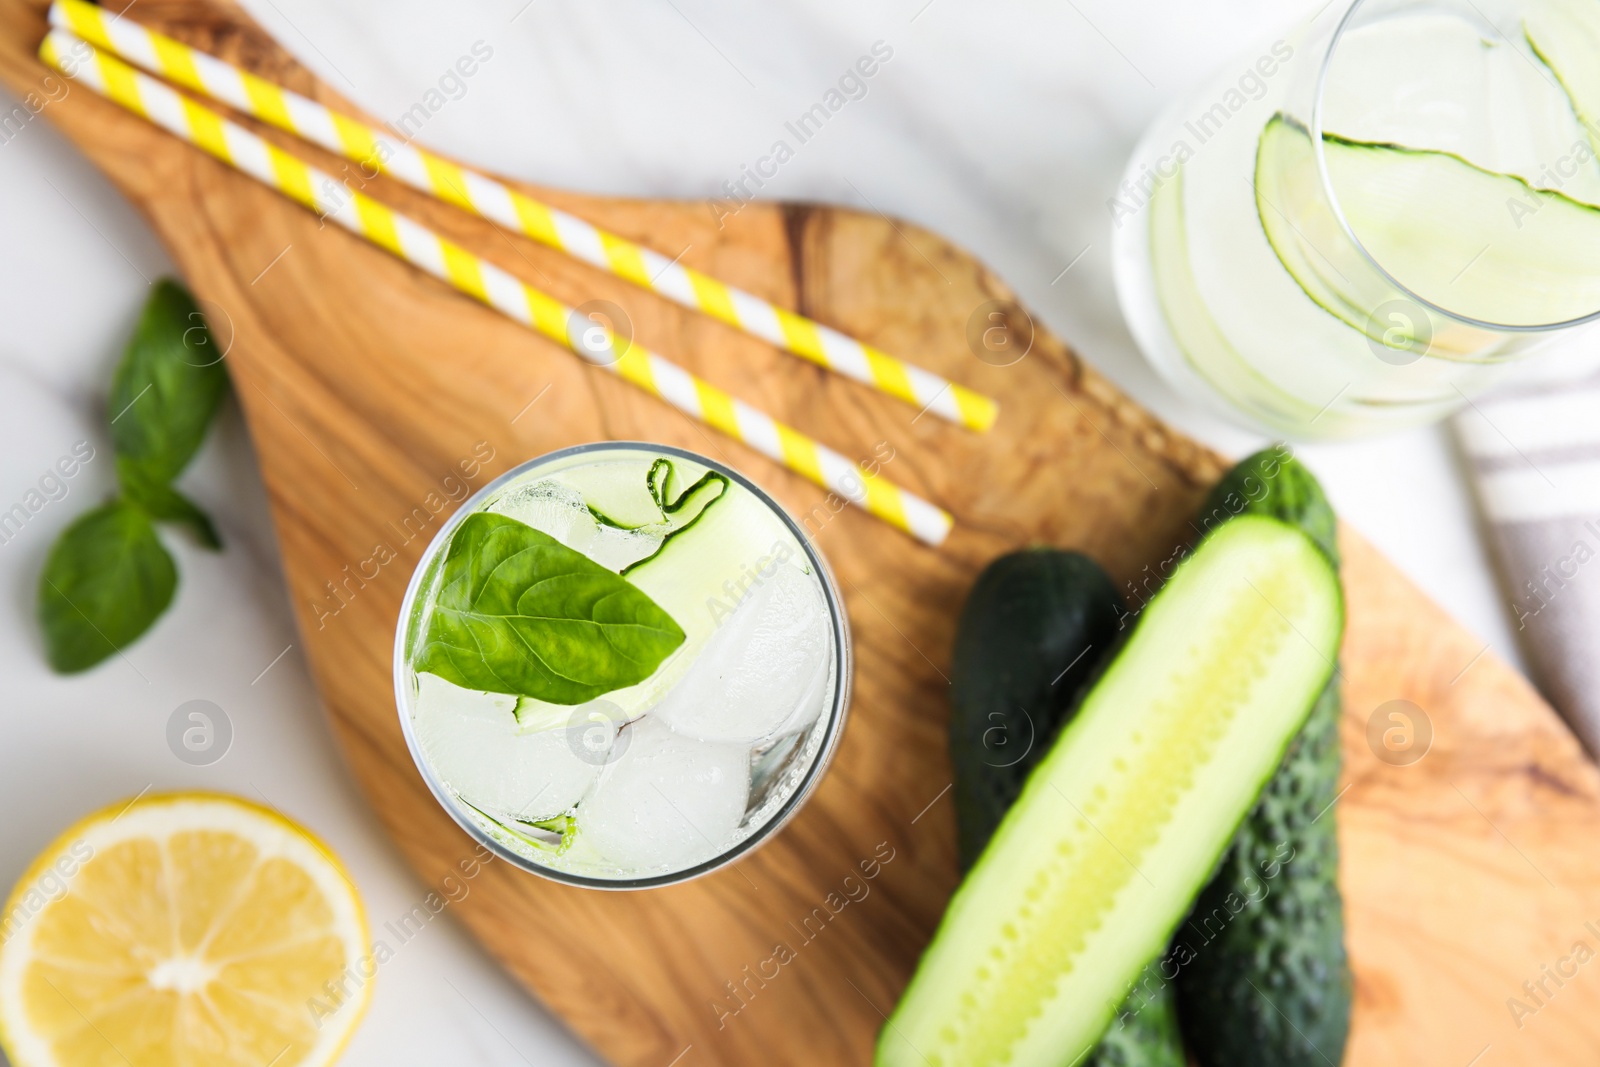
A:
(834, 729)
(1344, 223)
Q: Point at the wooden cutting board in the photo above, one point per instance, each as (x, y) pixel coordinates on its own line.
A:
(366, 385)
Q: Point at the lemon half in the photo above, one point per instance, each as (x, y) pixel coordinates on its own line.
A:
(182, 930)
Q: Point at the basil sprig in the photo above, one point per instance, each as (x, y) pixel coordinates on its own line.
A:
(108, 577)
(519, 612)
(167, 388)
(106, 581)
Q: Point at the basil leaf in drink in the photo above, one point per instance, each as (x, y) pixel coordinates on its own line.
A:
(105, 582)
(518, 612)
(161, 501)
(167, 387)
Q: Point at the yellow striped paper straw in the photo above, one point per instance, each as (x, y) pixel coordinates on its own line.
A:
(484, 196)
(414, 243)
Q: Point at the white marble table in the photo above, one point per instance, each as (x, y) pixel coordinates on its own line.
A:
(1001, 125)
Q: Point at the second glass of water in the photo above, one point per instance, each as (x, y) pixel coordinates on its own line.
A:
(1368, 220)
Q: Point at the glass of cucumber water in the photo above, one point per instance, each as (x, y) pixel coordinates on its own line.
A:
(621, 665)
(1370, 218)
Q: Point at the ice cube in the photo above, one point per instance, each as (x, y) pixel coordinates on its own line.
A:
(551, 508)
(471, 741)
(812, 700)
(764, 670)
(667, 802)
(560, 511)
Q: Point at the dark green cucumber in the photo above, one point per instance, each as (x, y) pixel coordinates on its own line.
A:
(1272, 482)
(1037, 627)
(1124, 820)
(1145, 1033)
(1270, 985)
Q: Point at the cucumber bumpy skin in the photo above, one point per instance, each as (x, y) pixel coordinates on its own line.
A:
(1037, 627)
(1272, 988)
(1094, 867)
(1148, 1037)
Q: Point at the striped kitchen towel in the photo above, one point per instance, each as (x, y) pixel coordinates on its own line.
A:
(1534, 451)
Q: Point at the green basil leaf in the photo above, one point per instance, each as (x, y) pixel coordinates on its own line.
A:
(167, 387)
(106, 580)
(161, 501)
(518, 612)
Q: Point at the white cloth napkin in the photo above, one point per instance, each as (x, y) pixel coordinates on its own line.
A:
(1534, 452)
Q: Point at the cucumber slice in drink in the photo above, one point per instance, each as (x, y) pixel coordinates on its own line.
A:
(1485, 245)
(1194, 329)
(1565, 34)
(1116, 831)
(658, 501)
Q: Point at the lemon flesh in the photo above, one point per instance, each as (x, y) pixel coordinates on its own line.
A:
(183, 929)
